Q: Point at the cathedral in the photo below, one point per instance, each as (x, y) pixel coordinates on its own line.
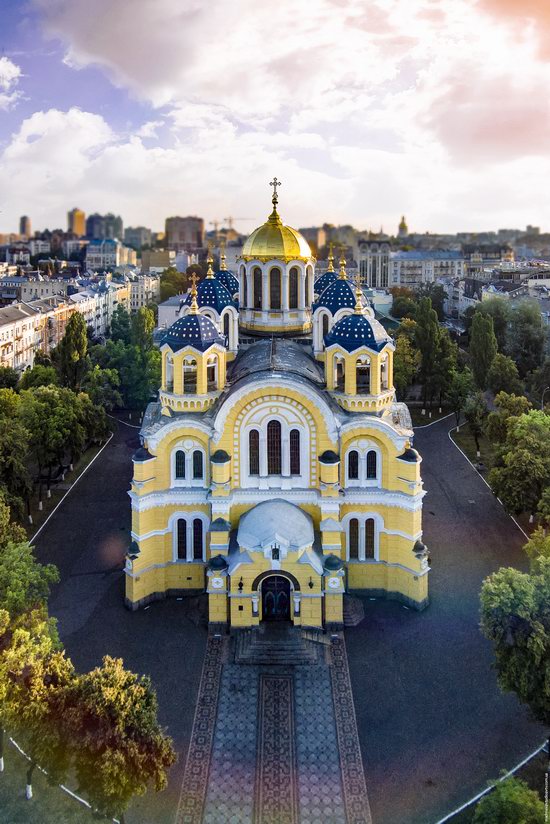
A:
(276, 471)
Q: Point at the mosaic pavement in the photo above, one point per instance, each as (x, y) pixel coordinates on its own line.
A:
(274, 745)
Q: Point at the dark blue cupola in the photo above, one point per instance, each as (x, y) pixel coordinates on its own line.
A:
(359, 329)
(193, 329)
(211, 293)
(226, 277)
(327, 277)
(339, 294)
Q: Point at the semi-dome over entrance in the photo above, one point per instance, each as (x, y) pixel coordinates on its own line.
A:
(275, 241)
(275, 522)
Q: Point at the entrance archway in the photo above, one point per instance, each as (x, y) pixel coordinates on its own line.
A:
(276, 592)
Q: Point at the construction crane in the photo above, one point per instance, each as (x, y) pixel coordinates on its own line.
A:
(231, 219)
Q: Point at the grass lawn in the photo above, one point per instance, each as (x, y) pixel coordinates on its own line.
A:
(57, 492)
(532, 773)
(49, 804)
(419, 419)
(465, 440)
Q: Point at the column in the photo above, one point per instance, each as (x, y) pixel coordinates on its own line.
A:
(302, 289)
(349, 377)
(284, 286)
(265, 290)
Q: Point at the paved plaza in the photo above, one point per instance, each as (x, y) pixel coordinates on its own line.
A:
(432, 724)
(274, 744)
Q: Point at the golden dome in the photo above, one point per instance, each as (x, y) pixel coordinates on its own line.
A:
(274, 241)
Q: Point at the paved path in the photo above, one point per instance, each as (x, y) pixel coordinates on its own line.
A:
(433, 725)
(274, 745)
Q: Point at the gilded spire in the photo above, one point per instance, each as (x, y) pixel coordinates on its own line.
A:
(194, 310)
(210, 261)
(274, 216)
(358, 301)
(330, 258)
(223, 265)
(343, 274)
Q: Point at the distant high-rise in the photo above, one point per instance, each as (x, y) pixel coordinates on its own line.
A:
(25, 226)
(137, 236)
(99, 227)
(184, 232)
(76, 222)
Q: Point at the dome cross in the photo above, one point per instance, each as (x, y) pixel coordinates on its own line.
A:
(274, 197)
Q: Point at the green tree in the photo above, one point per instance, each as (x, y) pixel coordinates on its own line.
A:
(9, 531)
(120, 325)
(427, 335)
(538, 545)
(121, 749)
(475, 411)
(72, 351)
(522, 470)
(445, 365)
(143, 323)
(102, 386)
(460, 388)
(527, 337)
(403, 307)
(437, 295)
(14, 472)
(483, 348)
(24, 583)
(9, 378)
(38, 376)
(506, 407)
(543, 508)
(405, 364)
(503, 376)
(9, 403)
(510, 802)
(407, 327)
(172, 283)
(499, 310)
(516, 619)
(48, 419)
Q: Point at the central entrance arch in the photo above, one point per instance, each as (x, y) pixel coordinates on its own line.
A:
(275, 591)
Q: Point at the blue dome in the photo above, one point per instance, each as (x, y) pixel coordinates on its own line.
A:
(192, 330)
(323, 281)
(211, 292)
(354, 331)
(339, 294)
(229, 280)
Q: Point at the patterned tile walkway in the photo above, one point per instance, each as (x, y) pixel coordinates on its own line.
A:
(274, 745)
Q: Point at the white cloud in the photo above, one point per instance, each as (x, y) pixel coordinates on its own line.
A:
(9, 78)
(365, 109)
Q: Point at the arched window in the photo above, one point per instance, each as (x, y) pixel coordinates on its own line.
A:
(169, 373)
(372, 465)
(275, 289)
(294, 451)
(226, 322)
(182, 539)
(293, 288)
(197, 540)
(384, 372)
(180, 464)
(257, 288)
(362, 374)
(274, 448)
(339, 375)
(212, 374)
(325, 326)
(253, 452)
(353, 465)
(190, 376)
(198, 467)
(354, 539)
(309, 277)
(369, 538)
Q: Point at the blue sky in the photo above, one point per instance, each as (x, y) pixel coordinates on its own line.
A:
(365, 109)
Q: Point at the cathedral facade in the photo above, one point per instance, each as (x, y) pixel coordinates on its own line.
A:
(277, 470)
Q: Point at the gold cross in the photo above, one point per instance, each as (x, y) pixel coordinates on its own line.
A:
(193, 279)
(275, 183)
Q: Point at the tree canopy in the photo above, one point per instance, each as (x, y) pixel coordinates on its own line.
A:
(483, 348)
(510, 802)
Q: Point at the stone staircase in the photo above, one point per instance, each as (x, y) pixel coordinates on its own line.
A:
(353, 611)
(276, 645)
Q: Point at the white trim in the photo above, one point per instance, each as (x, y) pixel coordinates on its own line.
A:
(155, 437)
(379, 424)
(257, 419)
(188, 446)
(362, 517)
(363, 450)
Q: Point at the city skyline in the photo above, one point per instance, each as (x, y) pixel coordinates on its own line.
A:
(364, 110)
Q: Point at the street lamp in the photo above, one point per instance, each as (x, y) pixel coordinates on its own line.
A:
(544, 391)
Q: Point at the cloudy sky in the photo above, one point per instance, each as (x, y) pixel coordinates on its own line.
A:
(365, 109)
